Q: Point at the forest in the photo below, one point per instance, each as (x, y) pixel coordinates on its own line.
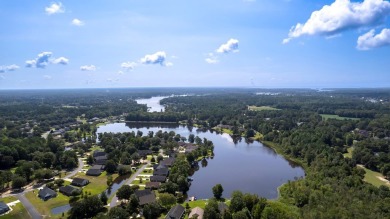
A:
(315, 129)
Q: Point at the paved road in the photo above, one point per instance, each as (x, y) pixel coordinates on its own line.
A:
(75, 171)
(114, 200)
(29, 207)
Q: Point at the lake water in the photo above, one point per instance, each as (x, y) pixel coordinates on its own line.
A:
(249, 167)
(153, 103)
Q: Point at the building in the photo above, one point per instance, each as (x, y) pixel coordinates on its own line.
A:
(69, 190)
(145, 196)
(95, 170)
(101, 160)
(176, 212)
(46, 193)
(3, 208)
(168, 162)
(80, 182)
(161, 172)
(160, 179)
(99, 153)
(196, 213)
(152, 185)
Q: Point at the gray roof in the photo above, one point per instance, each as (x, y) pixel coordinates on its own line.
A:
(94, 172)
(161, 172)
(145, 196)
(158, 178)
(175, 212)
(79, 181)
(46, 192)
(3, 206)
(68, 190)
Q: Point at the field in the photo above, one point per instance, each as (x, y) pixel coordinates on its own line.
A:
(372, 177)
(44, 207)
(18, 210)
(337, 117)
(261, 108)
(349, 154)
(97, 184)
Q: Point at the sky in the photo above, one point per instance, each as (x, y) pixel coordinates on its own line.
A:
(194, 43)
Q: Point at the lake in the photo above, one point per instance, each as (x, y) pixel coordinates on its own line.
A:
(153, 103)
(249, 167)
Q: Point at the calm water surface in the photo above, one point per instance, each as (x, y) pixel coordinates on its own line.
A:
(249, 167)
(153, 103)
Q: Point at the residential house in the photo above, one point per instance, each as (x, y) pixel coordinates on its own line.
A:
(99, 153)
(101, 160)
(161, 172)
(152, 185)
(160, 179)
(168, 162)
(144, 153)
(196, 213)
(69, 190)
(145, 196)
(176, 212)
(80, 182)
(46, 193)
(95, 170)
(3, 208)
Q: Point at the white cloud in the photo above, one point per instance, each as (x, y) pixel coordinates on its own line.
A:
(77, 22)
(341, 15)
(88, 68)
(169, 64)
(47, 77)
(55, 8)
(41, 61)
(61, 60)
(230, 46)
(128, 65)
(2, 77)
(12, 67)
(156, 58)
(212, 59)
(369, 40)
(121, 73)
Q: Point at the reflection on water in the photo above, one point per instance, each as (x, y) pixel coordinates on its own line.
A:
(153, 104)
(237, 165)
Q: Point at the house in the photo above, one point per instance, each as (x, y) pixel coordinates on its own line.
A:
(46, 193)
(69, 190)
(161, 172)
(101, 160)
(144, 153)
(196, 213)
(168, 162)
(99, 153)
(176, 212)
(145, 196)
(80, 182)
(152, 185)
(160, 179)
(3, 208)
(95, 170)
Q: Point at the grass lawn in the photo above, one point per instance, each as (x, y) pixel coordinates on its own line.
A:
(349, 154)
(329, 116)
(261, 108)
(198, 203)
(97, 183)
(95, 148)
(258, 136)
(44, 207)
(18, 210)
(372, 177)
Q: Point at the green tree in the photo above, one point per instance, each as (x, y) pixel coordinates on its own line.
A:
(217, 191)
(118, 213)
(18, 182)
(237, 201)
(152, 210)
(110, 167)
(166, 200)
(103, 198)
(124, 192)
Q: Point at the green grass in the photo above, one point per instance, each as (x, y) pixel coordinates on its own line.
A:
(261, 108)
(349, 154)
(198, 203)
(372, 177)
(44, 207)
(258, 136)
(18, 210)
(337, 117)
(97, 184)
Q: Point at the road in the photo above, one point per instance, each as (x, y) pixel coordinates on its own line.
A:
(29, 207)
(114, 200)
(75, 171)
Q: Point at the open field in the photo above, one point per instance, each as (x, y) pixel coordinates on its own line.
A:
(337, 117)
(261, 108)
(97, 183)
(349, 154)
(44, 207)
(374, 178)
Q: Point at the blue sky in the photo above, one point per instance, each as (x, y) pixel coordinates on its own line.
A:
(197, 43)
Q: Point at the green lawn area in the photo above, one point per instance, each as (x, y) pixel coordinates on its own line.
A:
(97, 183)
(349, 154)
(261, 108)
(95, 148)
(258, 136)
(18, 210)
(44, 207)
(329, 116)
(372, 177)
(198, 203)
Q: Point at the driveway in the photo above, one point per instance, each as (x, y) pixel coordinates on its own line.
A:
(114, 200)
(29, 207)
(75, 171)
